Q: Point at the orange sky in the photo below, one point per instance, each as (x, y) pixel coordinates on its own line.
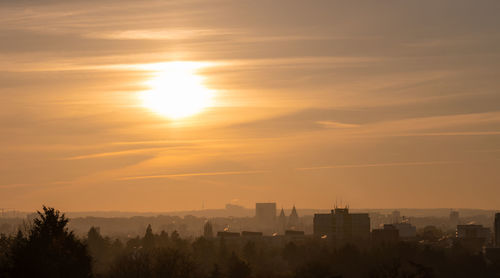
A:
(380, 103)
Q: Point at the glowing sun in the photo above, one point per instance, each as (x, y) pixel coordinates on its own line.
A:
(176, 90)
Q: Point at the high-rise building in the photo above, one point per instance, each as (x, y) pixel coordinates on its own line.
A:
(341, 226)
(265, 214)
(472, 231)
(396, 217)
(454, 217)
(497, 229)
(207, 230)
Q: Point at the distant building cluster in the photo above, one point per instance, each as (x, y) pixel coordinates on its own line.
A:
(269, 223)
(341, 226)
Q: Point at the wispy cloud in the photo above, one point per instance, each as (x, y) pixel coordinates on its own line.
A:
(194, 175)
(331, 124)
(393, 164)
(117, 153)
(465, 133)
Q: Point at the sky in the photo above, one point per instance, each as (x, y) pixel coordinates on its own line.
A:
(380, 104)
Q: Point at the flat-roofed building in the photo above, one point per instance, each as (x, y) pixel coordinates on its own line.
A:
(472, 231)
(251, 234)
(406, 230)
(265, 213)
(340, 225)
(389, 234)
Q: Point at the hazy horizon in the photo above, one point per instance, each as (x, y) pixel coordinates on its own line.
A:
(177, 105)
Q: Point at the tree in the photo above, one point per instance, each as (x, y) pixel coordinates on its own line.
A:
(50, 250)
(237, 268)
(250, 252)
(431, 233)
(148, 242)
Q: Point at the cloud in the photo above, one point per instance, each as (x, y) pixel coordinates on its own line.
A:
(194, 175)
(117, 153)
(330, 124)
(395, 164)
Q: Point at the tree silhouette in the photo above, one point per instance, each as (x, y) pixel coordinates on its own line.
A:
(50, 250)
(148, 241)
(237, 268)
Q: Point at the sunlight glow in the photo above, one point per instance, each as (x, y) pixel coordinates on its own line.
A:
(176, 90)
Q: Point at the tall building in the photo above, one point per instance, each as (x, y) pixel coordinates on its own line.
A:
(342, 226)
(293, 220)
(472, 231)
(396, 217)
(207, 230)
(265, 214)
(497, 229)
(454, 217)
(473, 237)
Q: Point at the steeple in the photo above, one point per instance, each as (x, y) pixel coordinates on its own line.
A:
(293, 220)
(282, 222)
(282, 214)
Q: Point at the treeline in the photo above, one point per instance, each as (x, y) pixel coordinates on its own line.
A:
(49, 249)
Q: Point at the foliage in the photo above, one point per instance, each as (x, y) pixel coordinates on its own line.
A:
(49, 250)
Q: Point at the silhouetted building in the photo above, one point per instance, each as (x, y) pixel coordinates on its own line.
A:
(406, 230)
(208, 230)
(282, 222)
(251, 234)
(342, 226)
(293, 219)
(227, 234)
(396, 216)
(472, 231)
(473, 237)
(294, 233)
(454, 217)
(497, 229)
(265, 214)
(389, 234)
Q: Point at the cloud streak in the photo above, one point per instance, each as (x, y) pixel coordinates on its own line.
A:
(226, 173)
(110, 154)
(394, 164)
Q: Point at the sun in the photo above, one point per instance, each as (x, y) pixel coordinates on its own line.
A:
(176, 90)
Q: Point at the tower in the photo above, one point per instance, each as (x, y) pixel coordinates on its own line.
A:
(454, 217)
(207, 230)
(293, 220)
(396, 217)
(282, 222)
(265, 214)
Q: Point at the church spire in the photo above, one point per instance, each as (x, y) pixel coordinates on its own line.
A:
(293, 220)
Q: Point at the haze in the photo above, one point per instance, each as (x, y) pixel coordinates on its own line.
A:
(379, 103)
